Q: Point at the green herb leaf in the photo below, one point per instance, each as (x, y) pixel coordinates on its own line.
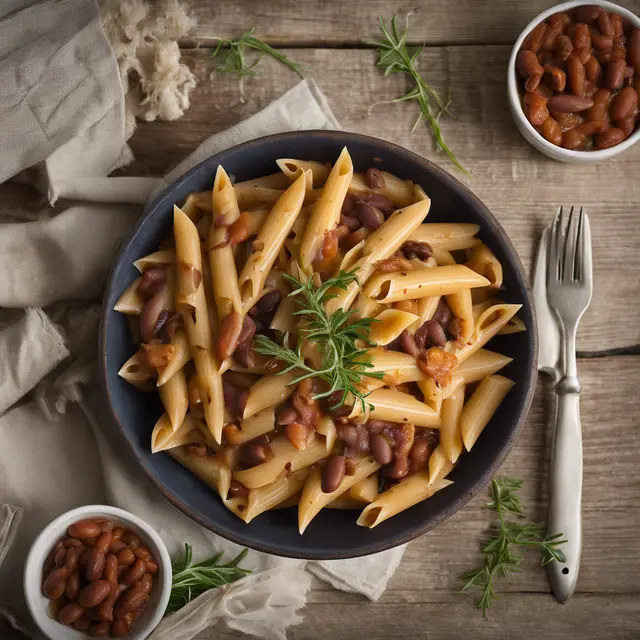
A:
(190, 580)
(344, 364)
(499, 557)
(395, 56)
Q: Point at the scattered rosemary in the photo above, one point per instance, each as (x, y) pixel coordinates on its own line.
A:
(395, 56)
(343, 363)
(499, 557)
(233, 57)
(190, 580)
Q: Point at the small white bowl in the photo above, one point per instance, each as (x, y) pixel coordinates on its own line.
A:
(515, 105)
(38, 603)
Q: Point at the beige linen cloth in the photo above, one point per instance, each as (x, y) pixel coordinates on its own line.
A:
(62, 127)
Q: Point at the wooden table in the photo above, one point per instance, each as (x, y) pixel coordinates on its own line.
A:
(468, 45)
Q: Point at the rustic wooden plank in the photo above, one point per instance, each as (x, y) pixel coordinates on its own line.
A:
(312, 23)
(521, 186)
(423, 598)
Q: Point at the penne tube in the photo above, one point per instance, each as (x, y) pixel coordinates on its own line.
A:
(419, 193)
(366, 490)
(422, 283)
(286, 459)
(439, 465)
(514, 325)
(284, 320)
(136, 369)
(181, 355)
(426, 308)
(407, 493)
(399, 368)
(389, 324)
(268, 243)
(346, 502)
(255, 219)
(175, 398)
(443, 257)
(481, 406)
(274, 494)
(157, 259)
(484, 262)
(165, 437)
(269, 391)
(326, 427)
(210, 470)
(273, 181)
(351, 257)
(431, 392)
(481, 364)
(130, 302)
(291, 501)
(292, 169)
(313, 499)
(396, 406)
(257, 425)
(400, 192)
(447, 236)
(188, 260)
(450, 435)
(365, 307)
(248, 197)
(462, 308)
(210, 388)
(191, 209)
(325, 215)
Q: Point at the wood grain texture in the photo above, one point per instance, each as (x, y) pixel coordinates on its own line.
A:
(423, 598)
(522, 187)
(313, 23)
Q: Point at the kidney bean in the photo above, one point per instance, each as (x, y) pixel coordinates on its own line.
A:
(583, 55)
(130, 601)
(348, 433)
(566, 103)
(551, 35)
(104, 542)
(84, 529)
(380, 202)
(228, 334)
(600, 108)
(60, 557)
(563, 18)
(69, 543)
(408, 344)
(563, 47)
(117, 546)
(70, 613)
(614, 74)
(120, 628)
(369, 216)
(609, 138)
(603, 23)
(601, 43)
(374, 178)
(351, 223)
(592, 70)
(149, 317)
(117, 533)
(239, 230)
(349, 205)
(412, 249)
(135, 573)
(616, 24)
(627, 126)
(73, 586)
(633, 49)
(110, 572)
(533, 41)
(398, 469)
(557, 77)
(152, 282)
(95, 565)
(244, 354)
(238, 490)
(533, 82)
(543, 91)
(333, 473)
(628, 74)
(381, 449)
(268, 302)
(297, 435)
(93, 594)
(100, 630)
(581, 37)
(356, 237)
(55, 583)
(146, 583)
(151, 566)
(576, 76)
(618, 54)
(604, 58)
(50, 562)
(573, 139)
(442, 314)
(82, 623)
(551, 131)
(536, 109)
(624, 104)
(73, 557)
(435, 333)
(419, 456)
(527, 63)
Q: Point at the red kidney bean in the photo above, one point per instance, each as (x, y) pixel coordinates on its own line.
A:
(624, 104)
(374, 178)
(151, 566)
(408, 344)
(255, 453)
(135, 573)
(120, 628)
(131, 540)
(110, 572)
(82, 623)
(557, 77)
(333, 473)
(239, 230)
(592, 70)
(146, 583)
(419, 456)
(563, 47)
(533, 82)
(601, 43)
(616, 24)
(533, 41)
(54, 585)
(60, 557)
(566, 103)
(588, 13)
(442, 314)
(126, 557)
(73, 586)
(535, 109)
(104, 542)
(117, 546)
(93, 594)
(562, 18)
(617, 54)
(627, 126)
(412, 249)
(369, 216)
(118, 532)
(151, 312)
(129, 601)
(95, 565)
(50, 562)
(228, 334)
(380, 202)
(381, 449)
(348, 433)
(349, 205)
(614, 74)
(298, 434)
(527, 63)
(603, 23)
(398, 469)
(100, 630)
(551, 131)
(105, 525)
(551, 34)
(84, 529)
(435, 333)
(573, 140)
(152, 282)
(581, 36)
(633, 49)
(576, 76)
(600, 108)
(70, 613)
(73, 556)
(350, 223)
(609, 138)
(69, 543)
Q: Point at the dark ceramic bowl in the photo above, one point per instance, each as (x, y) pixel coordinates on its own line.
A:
(333, 533)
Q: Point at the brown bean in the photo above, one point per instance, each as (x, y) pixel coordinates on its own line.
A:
(398, 469)
(614, 74)
(583, 54)
(435, 333)
(118, 532)
(95, 565)
(551, 131)
(604, 24)
(442, 314)
(143, 553)
(50, 562)
(602, 44)
(238, 490)
(117, 546)
(369, 216)
(93, 594)
(533, 41)
(557, 77)
(576, 76)
(333, 473)
(70, 613)
(600, 108)
(588, 13)
(269, 301)
(381, 449)
(562, 18)
(60, 557)
(105, 525)
(573, 140)
(374, 178)
(129, 601)
(73, 586)
(104, 611)
(254, 453)
(419, 456)
(110, 572)
(82, 623)
(152, 282)
(146, 583)
(618, 54)
(126, 557)
(248, 329)
(69, 543)
(104, 542)
(527, 63)
(624, 104)
(54, 585)
(633, 49)
(533, 82)
(535, 109)
(551, 34)
(627, 125)
(297, 434)
(349, 205)
(379, 201)
(120, 629)
(228, 334)
(592, 70)
(135, 573)
(563, 47)
(352, 224)
(609, 138)
(73, 557)
(348, 433)
(566, 103)
(84, 529)
(581, 36)
(408, 344)
(616, 24)
(100, 630)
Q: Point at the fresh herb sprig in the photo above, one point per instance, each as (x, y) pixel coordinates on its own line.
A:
(343, 362)
(500, 559)
(395, 56)
(233, 57)
(190, 580)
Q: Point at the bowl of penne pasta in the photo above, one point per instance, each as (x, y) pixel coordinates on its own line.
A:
(318, 344)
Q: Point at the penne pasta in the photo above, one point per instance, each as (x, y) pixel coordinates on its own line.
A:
(447, 236)
(389, 324)
(210, 470)
(269, 391)
(481, 364)
(274, 181)
(426, 308)
(366, 490)
(450, 435)
(514, 325)
(484, 262)
(326, 427)
(481, 406)
(396, 406)
(165, 437)
(400, 192)
(292, 169)
(130, 302)
(274, 494)
(175, 399)
(136, 369)
(439, 465)
(158, 259)
(431, 393)
(257, 425)
(462, 308)
(181, 355)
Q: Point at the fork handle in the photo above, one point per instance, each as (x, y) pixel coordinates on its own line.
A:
(566, 487)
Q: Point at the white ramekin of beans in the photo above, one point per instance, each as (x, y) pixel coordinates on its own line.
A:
(97, 571)
(574, 81)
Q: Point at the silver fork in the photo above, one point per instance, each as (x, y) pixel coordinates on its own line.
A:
(569, 289)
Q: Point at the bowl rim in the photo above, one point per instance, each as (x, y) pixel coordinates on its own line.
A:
(419, 528)
(514, 96)
(40, 548)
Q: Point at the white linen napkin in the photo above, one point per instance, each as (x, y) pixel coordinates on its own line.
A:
(55, 451)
